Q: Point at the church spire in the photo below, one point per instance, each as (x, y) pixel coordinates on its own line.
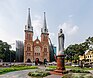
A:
(44, 29)
(29, 26)
(29, 18)
(45, 25)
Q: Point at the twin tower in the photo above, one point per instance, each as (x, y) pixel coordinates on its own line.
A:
(36, 49)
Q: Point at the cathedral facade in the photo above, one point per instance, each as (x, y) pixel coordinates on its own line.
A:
(36, 49)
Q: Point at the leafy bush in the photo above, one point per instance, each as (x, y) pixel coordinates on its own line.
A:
(38, 74)
(77, 75)
(67, 76)
(50, 69)
(79, 71)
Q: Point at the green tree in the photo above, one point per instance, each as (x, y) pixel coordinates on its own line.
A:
(5, 51)
(73, 51)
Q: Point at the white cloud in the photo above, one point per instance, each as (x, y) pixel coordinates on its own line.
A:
(37, 24)
(4, 36)
(51, 34)
(69, 28)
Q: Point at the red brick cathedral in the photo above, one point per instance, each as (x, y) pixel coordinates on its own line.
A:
(36, 49)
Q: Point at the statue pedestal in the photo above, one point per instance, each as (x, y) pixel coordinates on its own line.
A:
(60, 65)
(60, 62)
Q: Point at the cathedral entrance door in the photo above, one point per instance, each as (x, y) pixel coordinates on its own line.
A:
(45, 61)
(28, 61)
(36, 61)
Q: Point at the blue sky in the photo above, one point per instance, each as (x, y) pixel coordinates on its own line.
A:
(75, 17)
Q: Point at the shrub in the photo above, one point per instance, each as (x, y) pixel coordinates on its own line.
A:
(67, 76)
(77, 75)
(38, 74)
(79, 71)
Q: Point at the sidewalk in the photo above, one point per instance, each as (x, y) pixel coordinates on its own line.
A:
(91, 71)
(53, 76)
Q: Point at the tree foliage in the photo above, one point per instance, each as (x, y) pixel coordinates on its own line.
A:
(5, 52)
(72, 52)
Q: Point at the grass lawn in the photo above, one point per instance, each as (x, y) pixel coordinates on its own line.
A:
(71, 67)
(16, 68)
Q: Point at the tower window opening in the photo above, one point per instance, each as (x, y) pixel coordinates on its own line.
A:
(45, 49)
(28, 49)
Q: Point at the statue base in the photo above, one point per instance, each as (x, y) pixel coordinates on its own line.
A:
(60, 62)
(60, 66)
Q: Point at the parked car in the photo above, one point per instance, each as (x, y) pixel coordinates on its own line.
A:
(52, 63)
(68, 63)
(33, 64)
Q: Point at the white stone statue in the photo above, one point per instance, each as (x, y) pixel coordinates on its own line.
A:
(61, 43)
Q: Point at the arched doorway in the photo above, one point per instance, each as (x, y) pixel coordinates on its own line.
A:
(28, 61)
(36, 61)
(45, 61)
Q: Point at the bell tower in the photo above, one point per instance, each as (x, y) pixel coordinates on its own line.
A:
(28, 42)
(45, 41)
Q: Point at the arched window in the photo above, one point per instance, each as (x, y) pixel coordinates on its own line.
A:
(28, 36)
(45, 49)
(28, 47)
(44, 38)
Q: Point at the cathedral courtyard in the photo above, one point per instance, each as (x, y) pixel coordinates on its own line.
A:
(24, 73)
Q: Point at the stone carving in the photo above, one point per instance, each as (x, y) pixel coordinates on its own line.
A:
(61, 43)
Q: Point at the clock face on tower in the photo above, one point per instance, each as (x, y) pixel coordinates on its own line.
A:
(37, 49)
(37, 42)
